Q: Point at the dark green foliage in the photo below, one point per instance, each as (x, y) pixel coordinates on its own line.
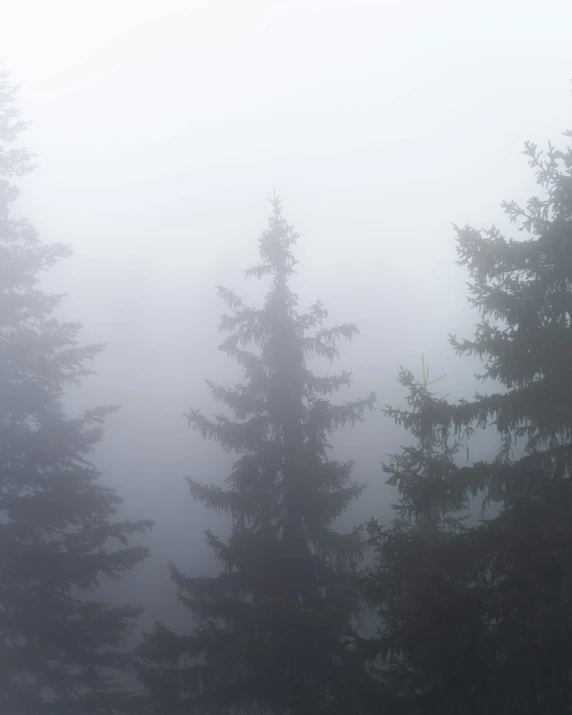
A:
(479, 619)
(57, 647)
(426, 586)
(275, 629)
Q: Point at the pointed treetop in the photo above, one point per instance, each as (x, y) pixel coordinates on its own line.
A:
(274, 246)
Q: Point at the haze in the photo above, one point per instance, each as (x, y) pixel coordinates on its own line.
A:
(161, 128)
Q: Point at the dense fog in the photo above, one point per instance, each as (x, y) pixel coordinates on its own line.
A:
(161, 129)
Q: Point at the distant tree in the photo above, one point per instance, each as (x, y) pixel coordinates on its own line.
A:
(58, 648)
(480, 619)
(276, 629)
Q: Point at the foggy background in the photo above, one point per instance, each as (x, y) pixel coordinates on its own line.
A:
(160, 130)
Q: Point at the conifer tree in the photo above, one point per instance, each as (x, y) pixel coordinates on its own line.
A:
(425, 586)
(504, 586)
(58, 646)
(275, 629)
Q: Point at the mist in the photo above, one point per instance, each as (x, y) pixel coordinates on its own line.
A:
(161, 130)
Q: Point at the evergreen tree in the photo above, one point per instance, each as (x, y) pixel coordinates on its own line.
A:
(494, 631)
(58, 648)
(425, 585)
(276, 628)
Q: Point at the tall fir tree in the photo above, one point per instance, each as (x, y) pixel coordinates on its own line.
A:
(58, 647)
(494, 631)
(275, 630)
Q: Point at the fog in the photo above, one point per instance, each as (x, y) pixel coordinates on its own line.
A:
(162, 128)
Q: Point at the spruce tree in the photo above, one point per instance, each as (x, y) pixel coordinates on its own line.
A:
(425, 584)
(505, 585)
(275, 630)
(58, 647)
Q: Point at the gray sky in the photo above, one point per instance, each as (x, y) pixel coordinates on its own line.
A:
(161, 129)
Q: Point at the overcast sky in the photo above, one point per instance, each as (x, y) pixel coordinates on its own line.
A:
(161, 128)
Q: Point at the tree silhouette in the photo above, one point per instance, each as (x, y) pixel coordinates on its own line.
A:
(493, 631)
(275, 630)
(58, 649)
